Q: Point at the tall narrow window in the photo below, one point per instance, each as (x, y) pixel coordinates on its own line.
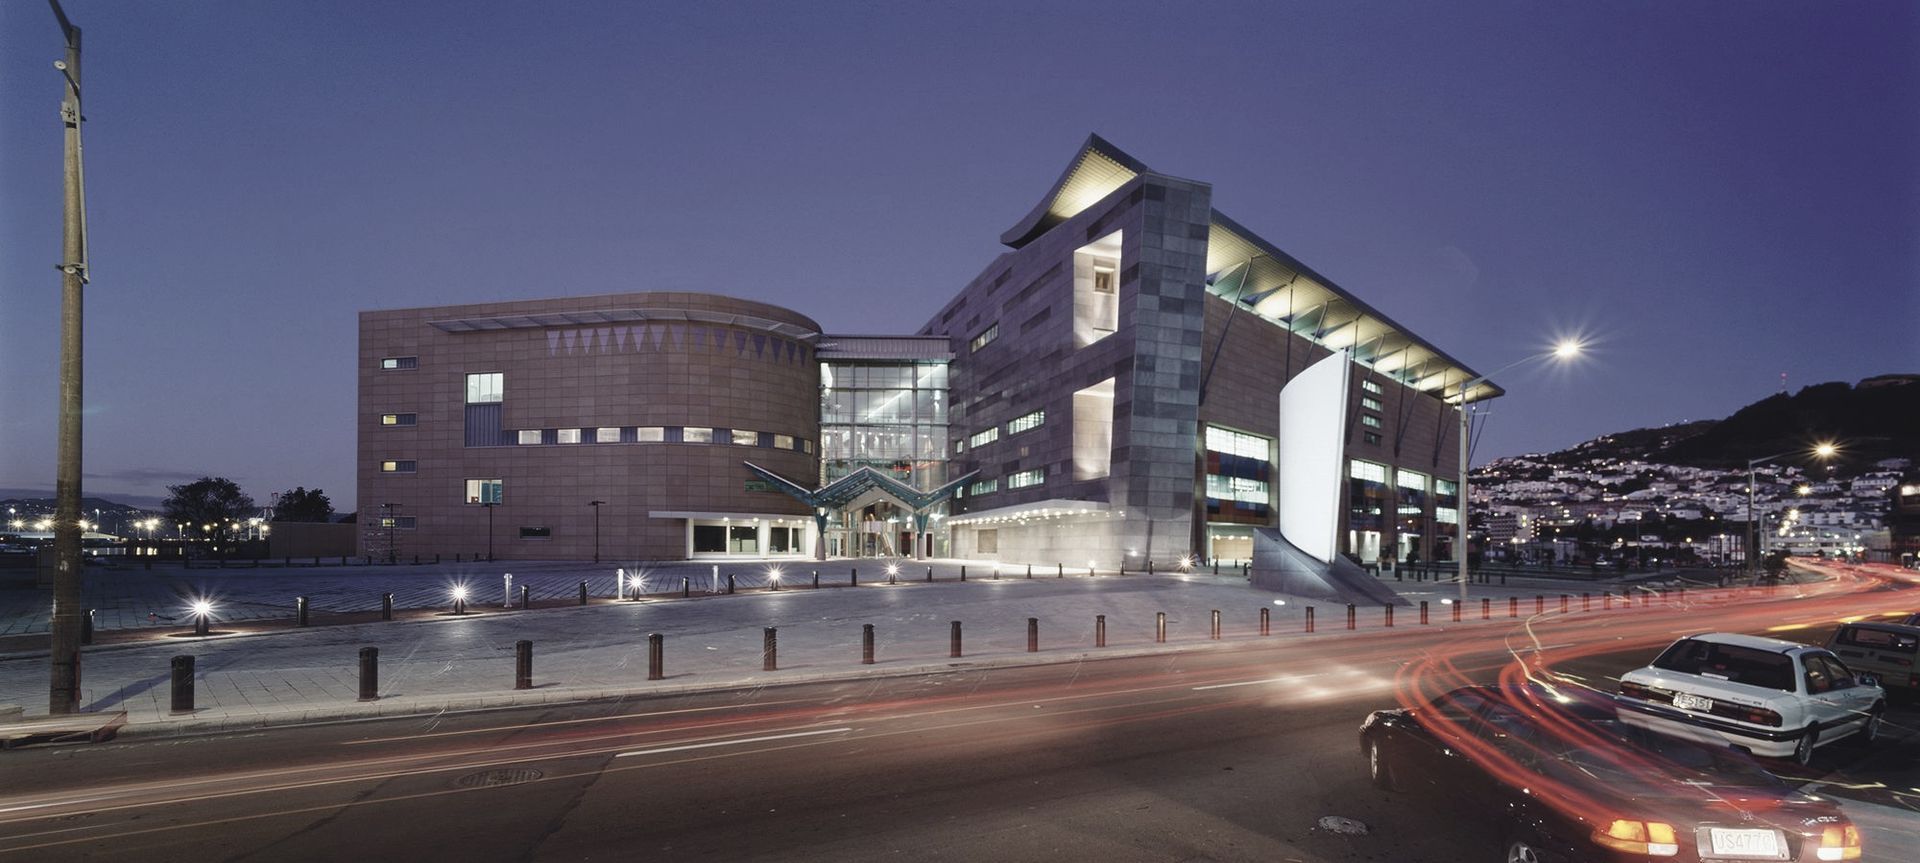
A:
(1025, 423)
(1096, 290)
(485, 388)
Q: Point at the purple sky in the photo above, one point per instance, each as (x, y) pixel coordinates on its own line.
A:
(1715, 193)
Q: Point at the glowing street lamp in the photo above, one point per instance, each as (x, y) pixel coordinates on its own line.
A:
(459, 599)
(893, 571)
(1755, 536)
(202, 611)
(773, 578)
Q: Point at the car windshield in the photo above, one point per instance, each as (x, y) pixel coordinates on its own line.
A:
(1729, 662)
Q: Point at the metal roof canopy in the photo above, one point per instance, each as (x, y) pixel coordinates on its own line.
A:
(847, 489)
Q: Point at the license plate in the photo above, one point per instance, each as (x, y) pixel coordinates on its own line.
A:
(1691, 702)
(1752, 844)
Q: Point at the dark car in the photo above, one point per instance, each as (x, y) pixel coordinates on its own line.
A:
(1553, 775)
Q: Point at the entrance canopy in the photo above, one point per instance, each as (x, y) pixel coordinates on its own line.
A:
(844, 491)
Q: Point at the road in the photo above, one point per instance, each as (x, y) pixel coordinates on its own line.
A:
(1232, 753)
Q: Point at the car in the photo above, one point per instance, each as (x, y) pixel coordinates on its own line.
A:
(1774, 698)
(1556, 777)
(1887, 650)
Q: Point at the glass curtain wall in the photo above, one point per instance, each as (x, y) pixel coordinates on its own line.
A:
(888, 416)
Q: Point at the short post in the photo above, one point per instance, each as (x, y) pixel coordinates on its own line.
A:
(1606, 601)
(1123, 569)
(953, 641)
(853, 576)
(686, 587)
(1159, 627)
(1149, 566)
(1456, 610)
(996, 573)
(866, 644)
(1350, 616)
(1216, 624)
(1563, 603)
(583, 593)
(523, 664)
(1266, 622)
(1539, 604)
(369, 673)
(1389, 615)
(769, 649)
(1586, 602)
(86, 627)
(929, 575)
(1513, 606)
(183, 684)
(816, 579)
(1029, 572)
(1033, 635)
(729, 584)
(1099, 630)
(1309, 619)
(299, 610)
(1059, 570)
(386, 606)
(525, 600)
(1216, 569)
(963, 574)
(1423, 612)
(656, 656)
(1486, 608)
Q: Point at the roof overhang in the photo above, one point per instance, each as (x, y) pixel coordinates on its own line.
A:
(603, 317)
(1095, 173)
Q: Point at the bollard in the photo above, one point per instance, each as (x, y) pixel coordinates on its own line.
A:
(1159, 627)
(386, 606)
(524, 600)
(769, 649)
(1033, 635)
(1456, 610)
(1350, 616)
(1059, 570)
(1399, 574)
(183, 684)
(929, 575)
(1486, 608)
(729, 584)
(686, 587)
(1216, 570)
(1149, 566)
(86, 627)
(953, 641)
(523, 664)
(1389, 615)
(369, 673)
(1266, 622)
(963, 574)
(299, 610)
(1099, 630)
(816, 579)
(1563, 603)
(1309, 619)
(1029, 572)
(996, 573)
(1423, 612)
(583, 593)
(1513, 606)
(1606, 601)
(866, 644)
(1216, 624)
(1586, 602)
(853, 577)
(1539, 604)
(656, 656)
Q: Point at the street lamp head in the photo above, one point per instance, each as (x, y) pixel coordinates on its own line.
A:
(1826, 449)
(460, 593)
(202, 608)
(1567, 349)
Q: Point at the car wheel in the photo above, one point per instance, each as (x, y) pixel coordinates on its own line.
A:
(1876, 725)
(1523, 851)
(1377, 767)
(1803, 751)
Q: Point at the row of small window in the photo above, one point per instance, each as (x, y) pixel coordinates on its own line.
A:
(1231, 442)
(1015, 426)
(407, 522)
(1023, 479)
(1406, 479)
(1237, 489)
(985, 338)
(662, 434)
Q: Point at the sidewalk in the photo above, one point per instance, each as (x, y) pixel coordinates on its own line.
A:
(431, 663)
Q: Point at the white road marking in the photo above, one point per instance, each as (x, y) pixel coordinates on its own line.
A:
(666, 749)
(1258, 682)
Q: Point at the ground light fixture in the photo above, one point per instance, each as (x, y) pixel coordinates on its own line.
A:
(1186, 563)
(459, 599)
(202, 613)
(773, 578)
(893, 572)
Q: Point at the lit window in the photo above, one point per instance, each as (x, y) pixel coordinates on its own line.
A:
(484, 490)
(985, 338)
(1104, 279)
(569, 436)
(745, 438)
(783, 441)
(692, 435)
(1446, 515)
(806, 446)
(984, 438)
(1411, 479)
(393, 363)
(1369, 471)
(606, 435)
(529, 437)
(1370, 421)
(1370, 386)
(397, 466)
(985, 486)
(399, 522)
(1236, 489)
(1370, 403)
(650, 434)
(1232, 442)
(1447, 487)
(959, 446)
(486, 388)
(398, 419)
(1026, 478)
(1030, 421)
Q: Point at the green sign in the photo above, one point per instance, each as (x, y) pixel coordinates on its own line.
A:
(759, 485)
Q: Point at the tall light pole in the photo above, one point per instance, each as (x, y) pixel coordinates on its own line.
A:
(1565, 350)
(489, 504)
(1823, 452)
(64, 692)
(596, 504)
(392, 552)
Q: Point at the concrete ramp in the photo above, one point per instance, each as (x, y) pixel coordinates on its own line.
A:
(1279, 565)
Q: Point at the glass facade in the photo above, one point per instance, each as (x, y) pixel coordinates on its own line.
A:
(1239, 476)
(891, 416)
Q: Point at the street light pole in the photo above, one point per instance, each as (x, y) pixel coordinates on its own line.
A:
(489, 506)
(1564, 350)
(596, 504)
(392, 553)
(64, 631)
(1822, 451)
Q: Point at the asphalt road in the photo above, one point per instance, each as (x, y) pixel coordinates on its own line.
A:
(1232, 753)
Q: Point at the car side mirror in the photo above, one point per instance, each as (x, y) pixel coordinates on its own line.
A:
(1867, 679)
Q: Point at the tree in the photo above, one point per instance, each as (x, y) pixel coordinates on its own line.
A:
(208, 506)
(303, 505)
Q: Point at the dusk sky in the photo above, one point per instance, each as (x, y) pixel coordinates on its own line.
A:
(1713, 193)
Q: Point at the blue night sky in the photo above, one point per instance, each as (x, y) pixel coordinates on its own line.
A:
(1715, 193)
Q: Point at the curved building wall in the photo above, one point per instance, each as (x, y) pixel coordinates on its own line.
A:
(665, 393)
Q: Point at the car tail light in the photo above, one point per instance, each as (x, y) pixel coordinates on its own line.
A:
(1839, 843)
(1652, 838)
(1755, 715)
(1644, 692)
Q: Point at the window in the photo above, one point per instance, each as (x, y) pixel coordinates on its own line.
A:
(569, 436)
(650, 434)
(985, 338)
(985, 486)
(536, 533)
(1878, 639)
(1370, 403)
(1369, 471)
(709, 539)
(529, 437)
(485, 388)
(746, 438)
(1370, 386)
(984, 438)
(959, 446)
(1370, 437)
(392, 363)
(1026, 478)
(743, 539)
(1446, 487)
(1751, 666)
(784, 540)
(397, 466)
(1104, 278)
(398, 419)
(1446, 515)
(1236, 443)
(1236, 488)
(397, 522)
(1025, 423)
(483, 490)
(1370, 421)
(1411, 479)
(606, 435)
(783, 441)
(696, 435)
(988, 541)
(806, 446)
